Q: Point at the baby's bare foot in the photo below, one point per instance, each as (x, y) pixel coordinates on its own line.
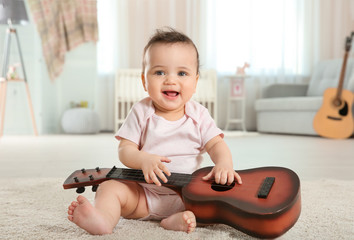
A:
(87, 217)
(182, 221)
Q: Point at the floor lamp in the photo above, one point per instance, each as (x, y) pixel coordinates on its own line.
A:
(12, 12)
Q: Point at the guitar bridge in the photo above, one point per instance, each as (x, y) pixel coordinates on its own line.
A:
(266, 187)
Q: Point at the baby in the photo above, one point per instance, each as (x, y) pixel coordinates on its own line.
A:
(165, 132)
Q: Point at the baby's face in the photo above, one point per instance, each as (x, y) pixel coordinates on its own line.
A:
(170, 75)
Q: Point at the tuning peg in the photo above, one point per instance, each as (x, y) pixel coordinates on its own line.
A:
(83, 170)
(76, 179)
(94, 188)
(91, 178)
(98, 169)
(80, 190)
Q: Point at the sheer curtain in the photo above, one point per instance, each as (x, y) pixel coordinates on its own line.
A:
(281, 39)
(107, 55)
(263, 33)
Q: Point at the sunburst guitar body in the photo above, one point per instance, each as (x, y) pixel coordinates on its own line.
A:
(335, 120)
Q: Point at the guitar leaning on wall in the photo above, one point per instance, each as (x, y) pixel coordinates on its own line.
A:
(265, 205)
(335, 118)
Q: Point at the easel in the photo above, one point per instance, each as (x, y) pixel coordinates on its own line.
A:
(4, 80)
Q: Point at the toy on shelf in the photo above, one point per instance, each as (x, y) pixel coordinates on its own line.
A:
(12, 72)
(81, 104)
(241, 70)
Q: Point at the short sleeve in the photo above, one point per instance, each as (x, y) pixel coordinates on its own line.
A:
(133, 126)
(208, 128)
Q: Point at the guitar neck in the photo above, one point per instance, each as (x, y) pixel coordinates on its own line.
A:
(93, 177)
(342, 75)
(348, 44)
(175, 180)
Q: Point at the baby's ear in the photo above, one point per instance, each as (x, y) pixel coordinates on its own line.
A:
(143, 81)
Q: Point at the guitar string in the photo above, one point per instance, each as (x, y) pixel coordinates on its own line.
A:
(137, 175)
(183, 178)
(245, 187)
(254, 188)
(176, 178)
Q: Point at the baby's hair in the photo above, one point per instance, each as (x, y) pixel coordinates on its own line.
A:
(169, 35)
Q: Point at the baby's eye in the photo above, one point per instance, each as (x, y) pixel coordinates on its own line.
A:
(182, 74)
(160, 73)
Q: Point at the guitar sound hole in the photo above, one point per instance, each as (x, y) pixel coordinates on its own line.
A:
(344, 111)
(221, 188)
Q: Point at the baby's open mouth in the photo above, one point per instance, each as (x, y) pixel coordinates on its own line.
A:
(171, 93)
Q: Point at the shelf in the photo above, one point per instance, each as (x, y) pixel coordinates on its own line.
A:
(236, 94)
(15, 80)
(236, 98)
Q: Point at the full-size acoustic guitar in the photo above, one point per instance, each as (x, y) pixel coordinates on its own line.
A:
(265, 205)
(335, 118)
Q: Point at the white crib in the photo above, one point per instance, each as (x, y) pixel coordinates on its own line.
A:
(129, 90)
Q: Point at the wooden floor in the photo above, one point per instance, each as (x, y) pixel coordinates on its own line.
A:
(59, 155)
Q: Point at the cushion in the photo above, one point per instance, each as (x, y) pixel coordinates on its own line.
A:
(350, 85)
(327, 74)
(80, 121)
(289, 104)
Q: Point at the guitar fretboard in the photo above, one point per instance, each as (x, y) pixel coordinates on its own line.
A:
(176, 179)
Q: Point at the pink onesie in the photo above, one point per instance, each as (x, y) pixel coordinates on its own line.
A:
(183, 141)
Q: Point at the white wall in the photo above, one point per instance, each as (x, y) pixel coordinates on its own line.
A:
(76, 83)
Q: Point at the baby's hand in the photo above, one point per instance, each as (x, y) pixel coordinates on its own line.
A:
(223, 174)
(154, 166)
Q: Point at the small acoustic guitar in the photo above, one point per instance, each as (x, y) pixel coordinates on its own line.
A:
(335, 118)
(265, 205)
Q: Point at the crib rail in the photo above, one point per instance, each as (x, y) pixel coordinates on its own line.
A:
(129, 90)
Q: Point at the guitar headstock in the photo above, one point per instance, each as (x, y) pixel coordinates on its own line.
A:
(86, 177)
(348, 42)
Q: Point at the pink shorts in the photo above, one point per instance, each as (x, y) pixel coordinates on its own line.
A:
(162, 202)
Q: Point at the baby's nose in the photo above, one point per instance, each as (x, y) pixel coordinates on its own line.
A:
(170, 79)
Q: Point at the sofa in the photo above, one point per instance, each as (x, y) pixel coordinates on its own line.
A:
(291, 108)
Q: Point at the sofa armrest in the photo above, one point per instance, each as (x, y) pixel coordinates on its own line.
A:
(285, 90)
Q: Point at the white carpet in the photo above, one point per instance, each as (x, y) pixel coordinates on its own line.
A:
(36, 209)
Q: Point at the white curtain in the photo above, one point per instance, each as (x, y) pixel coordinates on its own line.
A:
(281, 39)
(107, 55)
(330, 22)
